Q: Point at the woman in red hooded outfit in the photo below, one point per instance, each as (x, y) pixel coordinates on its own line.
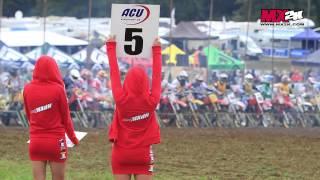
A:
(49, 118)
(134, 127)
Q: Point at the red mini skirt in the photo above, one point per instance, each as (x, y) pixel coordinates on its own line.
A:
(48, 149)
(132, 161)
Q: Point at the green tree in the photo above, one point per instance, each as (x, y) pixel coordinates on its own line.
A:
(11, 6)
(186, 10)
(242, 13)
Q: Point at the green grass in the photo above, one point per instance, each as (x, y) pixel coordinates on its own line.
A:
(194, 154)
(14, 170)
(22, 171)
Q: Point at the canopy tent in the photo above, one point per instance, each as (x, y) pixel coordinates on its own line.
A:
(219, 60)
(187, 30)
(74, 66)
(49, 50)
(96, 56)
(310, 42)
(21, 65)
(10, 54)
(307, 34)
(312, 60)
(132, 60)
(187, 36)
(172, 51)
(35, 38)
(27, 65)
(162, 41)
(283, 34)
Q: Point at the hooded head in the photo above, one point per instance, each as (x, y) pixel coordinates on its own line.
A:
(46, 70)
(136, 81)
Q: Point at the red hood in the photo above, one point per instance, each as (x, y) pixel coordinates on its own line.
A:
(46, 70)
(136, 81)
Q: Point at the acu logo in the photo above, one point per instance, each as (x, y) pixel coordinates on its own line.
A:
(132, 12)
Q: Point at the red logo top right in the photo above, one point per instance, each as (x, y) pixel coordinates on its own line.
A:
(282, 17)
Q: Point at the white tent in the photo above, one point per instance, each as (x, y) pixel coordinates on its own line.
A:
(74, 66)
(241, 27)
(27, 65)
(10, 54)
(284, 34)
(35, 38)
(162, 41)
(51, 51)
(97, 56)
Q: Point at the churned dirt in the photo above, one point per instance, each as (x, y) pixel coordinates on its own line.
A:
(258, 153)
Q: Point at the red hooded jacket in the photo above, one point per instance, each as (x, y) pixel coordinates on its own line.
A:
(134, 123)
(46, 102)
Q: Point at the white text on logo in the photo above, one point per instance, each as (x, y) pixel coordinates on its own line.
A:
(292, 15)
(139, 117)
(42, 108)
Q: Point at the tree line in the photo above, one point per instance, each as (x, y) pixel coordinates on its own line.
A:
(185, 10)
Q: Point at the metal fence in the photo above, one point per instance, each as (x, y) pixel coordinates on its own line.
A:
(101, 119)
(88, 119)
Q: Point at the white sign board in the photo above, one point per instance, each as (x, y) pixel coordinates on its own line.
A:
(79, 135)
(135, 27)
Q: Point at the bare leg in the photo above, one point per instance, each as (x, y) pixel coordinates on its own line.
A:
(58, 170)
(39, 170)
(143, 177)
(122, 176)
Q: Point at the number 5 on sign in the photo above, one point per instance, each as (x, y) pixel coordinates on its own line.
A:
(135, 27)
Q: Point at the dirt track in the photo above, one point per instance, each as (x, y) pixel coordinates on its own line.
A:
(210, 153)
